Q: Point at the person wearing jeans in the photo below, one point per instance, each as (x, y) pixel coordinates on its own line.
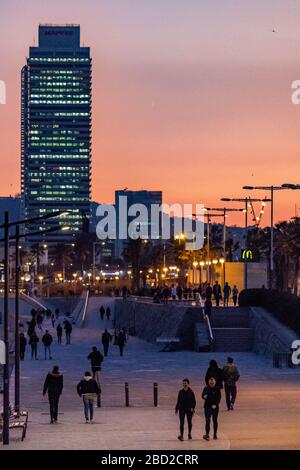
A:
(47, 341)
(88, 389)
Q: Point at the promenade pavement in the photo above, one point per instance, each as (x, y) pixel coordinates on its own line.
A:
(266, 416)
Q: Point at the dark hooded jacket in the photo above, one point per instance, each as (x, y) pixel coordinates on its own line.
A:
(53, 384)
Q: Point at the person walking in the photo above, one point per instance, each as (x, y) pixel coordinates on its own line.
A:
(208, 291)
(227, 292)
(102, 312)
(33, 341)
(56, 313)
(108, 313)
(121, 341)
(68, 330)
(124, 292)
(59, 332)
(173, 292)
(216, 372)
(217, 293)
(186, 404)
(179, 292)
(106, 339)
(39, 320)
(54, 386)
(211, 395)
(235, 294)
(88, 389)
(47, 341)
(23, 343)
(53, 319)
(230, 377)
(96, 359)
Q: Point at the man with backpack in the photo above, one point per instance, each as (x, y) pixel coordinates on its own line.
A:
(230, 377)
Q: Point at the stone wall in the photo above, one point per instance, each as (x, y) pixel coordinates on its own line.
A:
(149, 321)
(269, 334)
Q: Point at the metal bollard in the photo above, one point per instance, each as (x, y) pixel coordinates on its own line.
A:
(155, 393)
(126, 394)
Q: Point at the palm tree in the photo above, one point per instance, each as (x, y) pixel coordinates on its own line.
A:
(287, 253)
(62, 257)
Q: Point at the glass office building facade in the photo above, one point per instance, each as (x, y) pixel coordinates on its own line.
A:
(56, 131)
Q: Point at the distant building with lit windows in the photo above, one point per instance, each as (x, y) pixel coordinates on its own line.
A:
(56, 131)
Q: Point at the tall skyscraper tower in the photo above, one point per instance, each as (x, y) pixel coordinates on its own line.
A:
(56, 131)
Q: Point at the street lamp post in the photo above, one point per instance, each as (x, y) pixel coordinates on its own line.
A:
(246, 201)
(272, 189)
(6, 226)
(94, 257)
(224, 210)
(17, 339)
(5, 432)
(209, 216)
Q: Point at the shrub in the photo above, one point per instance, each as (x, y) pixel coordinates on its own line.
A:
(282, 305)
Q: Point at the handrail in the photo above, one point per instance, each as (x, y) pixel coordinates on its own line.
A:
(206, 317)
(146, 299)
(32, 300)
(85, 309)
(209, 328)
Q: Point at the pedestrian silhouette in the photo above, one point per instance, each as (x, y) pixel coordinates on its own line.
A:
(54, 386)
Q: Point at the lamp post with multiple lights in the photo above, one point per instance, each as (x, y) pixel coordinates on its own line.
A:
(246, 201)
(7, 226)
(272, 189)
(224, 210)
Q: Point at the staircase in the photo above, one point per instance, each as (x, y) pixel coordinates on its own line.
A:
(231, 331)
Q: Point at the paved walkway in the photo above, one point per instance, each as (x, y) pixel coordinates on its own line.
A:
(267, 413)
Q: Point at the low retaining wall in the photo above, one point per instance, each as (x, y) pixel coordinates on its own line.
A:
(149, 321)
(269, 334)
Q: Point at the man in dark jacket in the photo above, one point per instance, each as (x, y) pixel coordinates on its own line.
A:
(208, 291)
(96, 359)
(230, 377)
(88, 389)
(47, 341)
(121, 341)
(211, 395)
(54, 386)
(68, 330)
(33, 341)
(227, 292)
(107, 313)
(59, 333)
(217, 293)
(186, 404)
(23, 343)
(102, 312)
(214, 371)
(106, 339)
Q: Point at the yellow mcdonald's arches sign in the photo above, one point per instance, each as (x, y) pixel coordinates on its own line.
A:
(247, 254)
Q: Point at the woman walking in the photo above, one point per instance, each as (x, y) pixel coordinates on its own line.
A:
(88, 389)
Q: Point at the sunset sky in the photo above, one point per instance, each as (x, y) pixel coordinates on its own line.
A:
(191, 97)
